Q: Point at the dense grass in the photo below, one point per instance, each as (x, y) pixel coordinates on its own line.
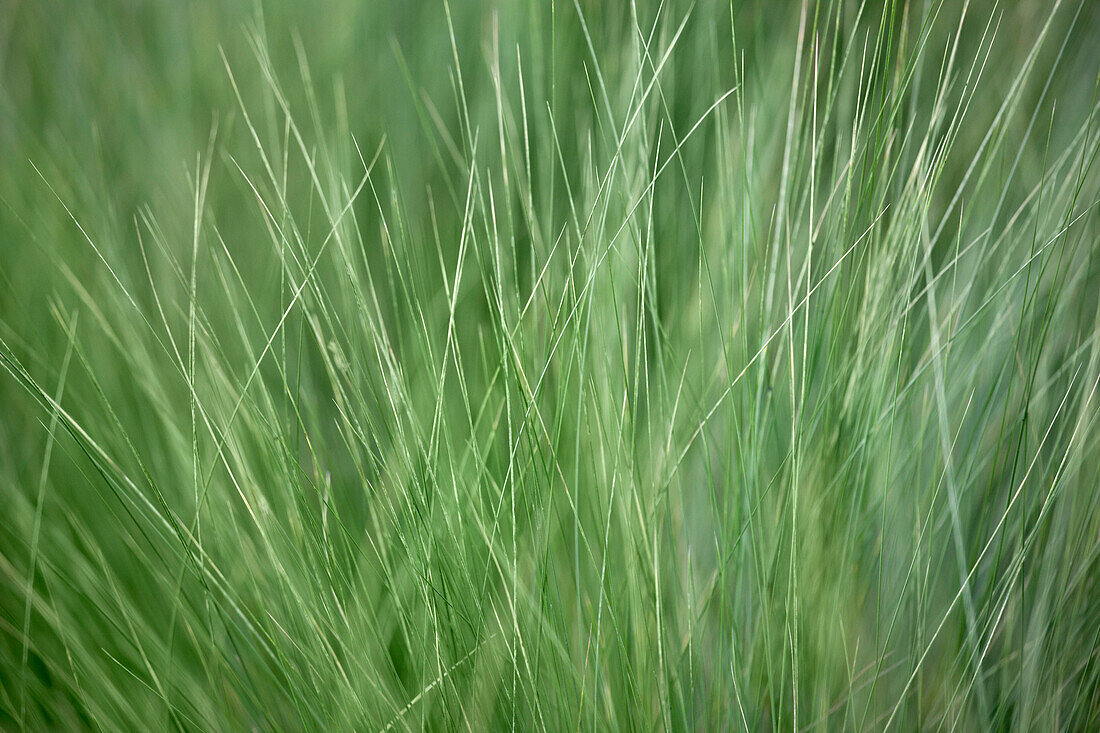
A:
(549, 365)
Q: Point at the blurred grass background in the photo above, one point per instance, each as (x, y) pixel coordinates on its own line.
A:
(556, 365)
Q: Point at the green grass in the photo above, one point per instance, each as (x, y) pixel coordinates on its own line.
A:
(549, 365)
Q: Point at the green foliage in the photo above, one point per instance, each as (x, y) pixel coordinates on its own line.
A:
(549, 364)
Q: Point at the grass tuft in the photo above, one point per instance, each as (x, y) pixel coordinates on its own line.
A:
(550, 365)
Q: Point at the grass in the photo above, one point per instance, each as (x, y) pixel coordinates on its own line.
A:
(549, 365)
